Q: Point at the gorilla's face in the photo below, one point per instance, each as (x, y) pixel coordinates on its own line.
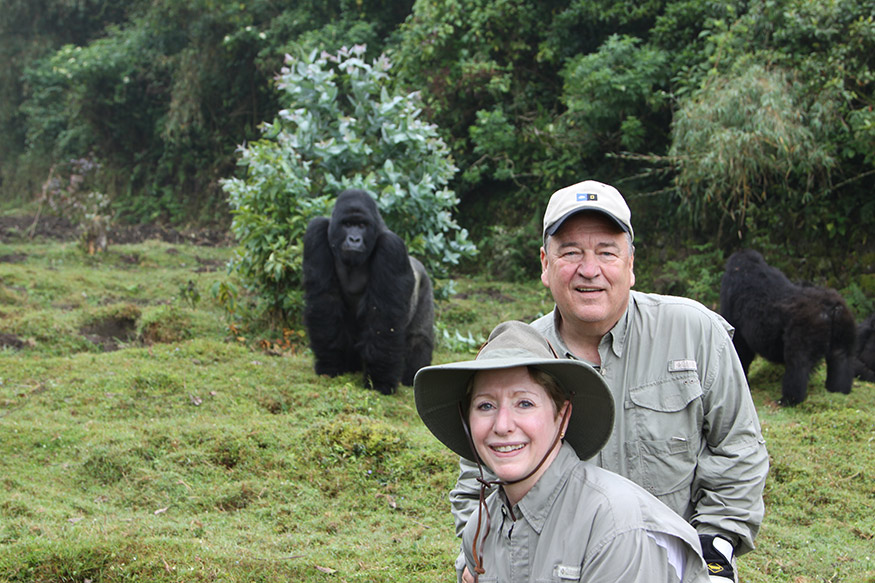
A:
(354, 228)
(355, 234)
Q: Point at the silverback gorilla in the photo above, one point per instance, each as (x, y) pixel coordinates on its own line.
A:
(368, 304)
(796, 325)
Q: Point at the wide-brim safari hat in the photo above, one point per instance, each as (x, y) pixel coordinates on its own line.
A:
(440, 389)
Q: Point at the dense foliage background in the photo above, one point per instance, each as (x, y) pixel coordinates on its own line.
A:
(726, 124)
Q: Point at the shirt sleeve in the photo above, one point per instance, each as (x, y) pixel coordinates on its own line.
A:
(635, 556)
(728, 486)
(465, 496)
(465, 559)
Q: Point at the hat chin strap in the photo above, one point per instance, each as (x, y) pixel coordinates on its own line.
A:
(485, 484)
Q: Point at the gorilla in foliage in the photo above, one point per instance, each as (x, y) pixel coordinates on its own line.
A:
(368, 304)
(796, 325)
(864, 363)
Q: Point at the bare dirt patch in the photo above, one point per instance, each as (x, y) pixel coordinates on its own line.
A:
(11, 341)
(13, 258)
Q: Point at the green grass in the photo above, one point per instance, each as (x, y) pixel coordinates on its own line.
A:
(190, 455)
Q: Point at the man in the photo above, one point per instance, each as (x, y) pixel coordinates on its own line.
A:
(686, 427)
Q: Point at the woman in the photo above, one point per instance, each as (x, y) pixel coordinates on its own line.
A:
(554, 517)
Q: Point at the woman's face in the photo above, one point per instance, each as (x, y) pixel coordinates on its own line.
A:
(514, 422)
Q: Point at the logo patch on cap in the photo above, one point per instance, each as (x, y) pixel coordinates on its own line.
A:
(584, 196)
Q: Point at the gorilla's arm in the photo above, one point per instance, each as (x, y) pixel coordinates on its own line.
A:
(326, 316)
(383, 312)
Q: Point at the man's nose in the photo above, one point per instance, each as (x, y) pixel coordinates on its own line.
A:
(588, 266)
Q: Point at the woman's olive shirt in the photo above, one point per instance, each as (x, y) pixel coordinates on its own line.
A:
(582, 523)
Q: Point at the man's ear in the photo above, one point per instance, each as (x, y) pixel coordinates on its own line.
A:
(544, 279)
(632, 269)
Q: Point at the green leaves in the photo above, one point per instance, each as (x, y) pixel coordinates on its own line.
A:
(741, 140)
(613, 89)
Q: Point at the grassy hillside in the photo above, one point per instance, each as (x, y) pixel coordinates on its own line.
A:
(140, 441)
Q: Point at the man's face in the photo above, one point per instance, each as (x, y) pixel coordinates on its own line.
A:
(588, 266)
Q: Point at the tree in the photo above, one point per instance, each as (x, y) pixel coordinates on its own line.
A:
(742, 142)
(31, 30)
(158, 91)
(341, 127)
(614, 96)
(773, 131)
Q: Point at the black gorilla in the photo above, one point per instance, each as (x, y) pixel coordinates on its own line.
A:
(796, 325)
(864, 362)
(368, 304)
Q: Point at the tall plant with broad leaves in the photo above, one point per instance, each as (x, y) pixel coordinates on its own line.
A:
(342, 127)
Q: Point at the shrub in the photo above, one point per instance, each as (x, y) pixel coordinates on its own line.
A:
(513, 252)
(695, 274)
(353, 437)
(71, 193)
(342, 127)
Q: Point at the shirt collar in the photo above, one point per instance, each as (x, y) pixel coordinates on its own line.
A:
(536, 504)
(616, 336)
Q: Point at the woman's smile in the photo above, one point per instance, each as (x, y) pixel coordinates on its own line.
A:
(507, 448)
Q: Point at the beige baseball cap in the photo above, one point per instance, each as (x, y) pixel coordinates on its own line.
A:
(588, 195)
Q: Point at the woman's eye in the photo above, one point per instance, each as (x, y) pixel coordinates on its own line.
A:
(526, 404)
(484, 406)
